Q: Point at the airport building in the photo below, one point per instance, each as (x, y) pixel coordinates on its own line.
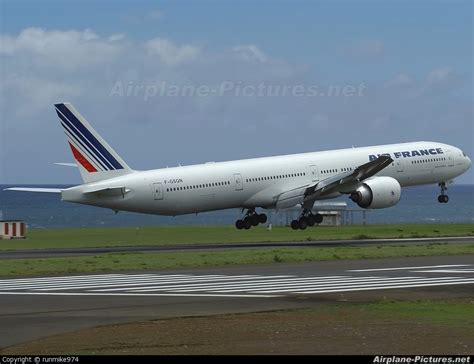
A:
(12, 229)
(335, 213)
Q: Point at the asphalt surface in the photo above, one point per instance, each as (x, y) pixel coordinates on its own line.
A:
(35, 307)
(50, 253)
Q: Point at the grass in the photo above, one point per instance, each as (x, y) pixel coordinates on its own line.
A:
(437, 327)
(458, 312)
(454, 312)
(148, 261)
(130, 236)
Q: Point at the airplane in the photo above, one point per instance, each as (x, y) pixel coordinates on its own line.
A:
(372, 177)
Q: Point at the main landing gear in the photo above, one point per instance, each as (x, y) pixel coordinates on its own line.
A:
(443, 198)
(307, 218)
(251, 219)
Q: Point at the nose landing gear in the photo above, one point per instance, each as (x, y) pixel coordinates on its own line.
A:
(443, 198)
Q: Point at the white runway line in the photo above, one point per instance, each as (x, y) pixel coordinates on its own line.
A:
(239, 283)
(417, 283)
(145, 282)
(162, 283)
(405, 268)
(390, 287)
(65, 280)
(130, 280)
(289, 287)
(285, 283)
(216, 285)
(454, 271)
(139, 294)
(91, 276)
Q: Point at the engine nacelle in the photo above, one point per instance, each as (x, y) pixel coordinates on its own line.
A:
(377, 193)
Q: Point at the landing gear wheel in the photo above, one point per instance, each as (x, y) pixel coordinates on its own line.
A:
(443, 198)
(247, 223)
(251, 218)
(311, 220)
(319, 218)
(254, 220)
(303, 222)
(295, 225)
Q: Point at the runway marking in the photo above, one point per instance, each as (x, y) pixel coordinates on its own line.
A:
(370, 285)
(454, 271)
(54, 281)
(161, 281)
(120, 281)
(215, 285)
(282, 283)
(140, 294)
(293, 287)
(408, 268)
(388, 287)
(76, 282)
(261, 280)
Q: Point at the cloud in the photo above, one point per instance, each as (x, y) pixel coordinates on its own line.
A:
(42, 66)
(438, 82)
(27, 96)
(64, 49)
(400, 80)
(137, 19)
(366, 49)
(155, 15)
(250, 53)
(169, 53)
(441, 74)
(116, 37)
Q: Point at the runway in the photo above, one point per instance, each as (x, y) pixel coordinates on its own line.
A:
(50, 253)
(240, 286)
(35, 307)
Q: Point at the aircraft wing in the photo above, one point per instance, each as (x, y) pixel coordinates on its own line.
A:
(342, 183)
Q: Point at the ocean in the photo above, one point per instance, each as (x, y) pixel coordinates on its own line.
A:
(43, 210)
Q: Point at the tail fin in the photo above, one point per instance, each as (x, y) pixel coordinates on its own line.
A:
(95, 158)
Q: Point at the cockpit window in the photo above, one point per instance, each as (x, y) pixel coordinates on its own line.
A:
(464, 154)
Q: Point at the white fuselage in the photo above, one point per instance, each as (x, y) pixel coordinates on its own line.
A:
(255, 182)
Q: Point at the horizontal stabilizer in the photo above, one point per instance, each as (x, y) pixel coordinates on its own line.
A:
(67, 164)
(27, 189)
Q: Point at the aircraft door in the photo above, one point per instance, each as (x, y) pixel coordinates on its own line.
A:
(450, 158)
(158, 191)
(314, 173)
(239, 186)
(399, 165)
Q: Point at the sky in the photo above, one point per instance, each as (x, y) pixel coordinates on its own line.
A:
(185, 82)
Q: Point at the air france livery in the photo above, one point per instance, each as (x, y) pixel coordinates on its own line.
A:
(372, 177)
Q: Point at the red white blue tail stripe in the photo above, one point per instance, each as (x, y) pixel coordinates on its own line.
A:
(86, 148)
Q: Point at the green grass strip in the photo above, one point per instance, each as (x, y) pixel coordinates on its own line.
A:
(172, 235)
(148, 261)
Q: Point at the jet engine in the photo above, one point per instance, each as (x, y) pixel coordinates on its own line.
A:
(377, 193)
